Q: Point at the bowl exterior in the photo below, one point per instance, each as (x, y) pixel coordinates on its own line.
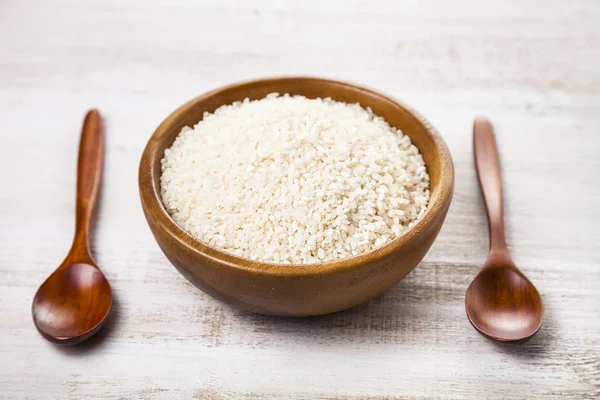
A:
(296, 295)
(303, 290)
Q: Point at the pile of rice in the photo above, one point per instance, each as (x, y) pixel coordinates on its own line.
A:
(287, 179)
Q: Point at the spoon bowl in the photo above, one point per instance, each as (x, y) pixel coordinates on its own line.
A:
(501, 302)
(74, 302)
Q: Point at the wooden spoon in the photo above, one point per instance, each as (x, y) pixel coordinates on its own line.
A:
(501, 302)
(73, 303)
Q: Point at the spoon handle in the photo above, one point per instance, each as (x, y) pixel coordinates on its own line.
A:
(488, 172)
(89, 166)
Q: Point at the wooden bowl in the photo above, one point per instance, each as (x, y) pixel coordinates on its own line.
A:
(297, 290)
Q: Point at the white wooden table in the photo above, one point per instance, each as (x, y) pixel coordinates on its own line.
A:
(532, 66)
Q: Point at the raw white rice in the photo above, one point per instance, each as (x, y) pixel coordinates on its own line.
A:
(287, 179)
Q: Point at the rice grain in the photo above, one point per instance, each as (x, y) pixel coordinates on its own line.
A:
(286, 179)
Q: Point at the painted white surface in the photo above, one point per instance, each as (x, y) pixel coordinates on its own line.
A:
(532, 66)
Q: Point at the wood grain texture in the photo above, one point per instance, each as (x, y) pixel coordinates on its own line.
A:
(500, 302)
(73, 303)
(297, 290)
(531, 66)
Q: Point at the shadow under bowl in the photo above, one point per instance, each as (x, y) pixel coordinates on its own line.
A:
(297, 290)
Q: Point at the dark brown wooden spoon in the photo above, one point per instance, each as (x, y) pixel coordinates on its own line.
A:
(74, 302)
(501, 302)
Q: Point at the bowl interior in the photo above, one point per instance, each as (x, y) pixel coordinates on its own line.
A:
(421, 133)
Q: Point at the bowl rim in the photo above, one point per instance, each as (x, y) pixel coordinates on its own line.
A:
(154, 208)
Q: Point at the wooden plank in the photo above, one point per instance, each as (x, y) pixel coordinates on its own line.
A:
(531, 67)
